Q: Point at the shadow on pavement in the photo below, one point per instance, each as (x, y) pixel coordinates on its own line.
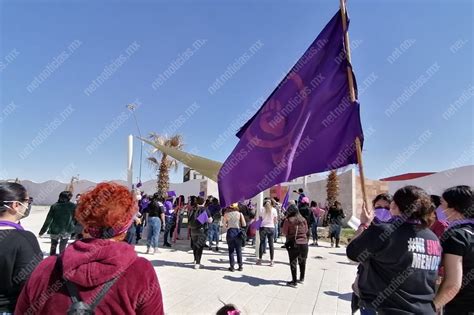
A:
(161, 263)
(265, 261)
(348, 263)
(342, 296)
(254, 281)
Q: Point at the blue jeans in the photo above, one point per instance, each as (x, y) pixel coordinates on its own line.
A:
(154, 227)
(277, 232)
(213, 233)
(367, 311)
(235, 245)
(314, 230)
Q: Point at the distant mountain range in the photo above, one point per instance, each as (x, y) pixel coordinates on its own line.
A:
(47, 192)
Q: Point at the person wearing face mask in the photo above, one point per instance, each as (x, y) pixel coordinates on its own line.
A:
(399, 258)
(456, 292)
(19, 251)
(60, 222)
(381, 205)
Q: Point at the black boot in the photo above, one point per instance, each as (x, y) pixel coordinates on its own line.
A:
(54, 246)
(337, 242)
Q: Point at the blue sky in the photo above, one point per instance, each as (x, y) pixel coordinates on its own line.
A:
(48, 126)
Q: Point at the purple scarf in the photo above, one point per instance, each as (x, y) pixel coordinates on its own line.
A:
(460, 222)
(12, 224)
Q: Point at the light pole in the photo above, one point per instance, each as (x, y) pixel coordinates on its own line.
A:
(132, 108)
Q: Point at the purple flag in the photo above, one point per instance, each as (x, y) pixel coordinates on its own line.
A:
(307, 125)
(286, 199)
(256, 224)
(202, 218)
(171, 193)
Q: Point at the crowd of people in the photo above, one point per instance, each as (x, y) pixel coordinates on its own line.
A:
(415, 251)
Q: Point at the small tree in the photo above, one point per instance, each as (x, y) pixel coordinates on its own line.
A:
(332, 188)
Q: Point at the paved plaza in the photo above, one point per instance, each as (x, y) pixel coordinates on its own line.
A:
(255, 290)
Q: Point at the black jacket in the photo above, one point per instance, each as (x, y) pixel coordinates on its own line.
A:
(60, 219)
(399, 267)
(306, 212)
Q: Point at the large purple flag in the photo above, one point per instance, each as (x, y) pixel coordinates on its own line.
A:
(307, 125)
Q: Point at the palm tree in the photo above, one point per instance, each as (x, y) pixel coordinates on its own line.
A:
(332, 188)
(162, 162)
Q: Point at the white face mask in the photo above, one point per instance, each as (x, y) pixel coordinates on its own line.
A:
(23, 214)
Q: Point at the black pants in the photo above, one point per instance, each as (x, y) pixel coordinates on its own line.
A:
(168, 230)
(138, 231)
(54, 244)
(235, 245)
(266, 232)
(298, 255)
(198, 242)
(452, 310)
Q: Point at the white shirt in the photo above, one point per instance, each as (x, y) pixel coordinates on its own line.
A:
(268, 219)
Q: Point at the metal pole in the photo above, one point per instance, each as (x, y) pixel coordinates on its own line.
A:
(132, 108)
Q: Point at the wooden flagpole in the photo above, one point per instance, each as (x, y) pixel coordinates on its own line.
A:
(353, 98)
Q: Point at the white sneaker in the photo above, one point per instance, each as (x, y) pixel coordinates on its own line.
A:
(197, 266)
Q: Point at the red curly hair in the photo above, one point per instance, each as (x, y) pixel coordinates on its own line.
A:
(107, 205)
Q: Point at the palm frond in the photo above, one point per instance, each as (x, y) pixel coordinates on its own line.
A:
(152, 160)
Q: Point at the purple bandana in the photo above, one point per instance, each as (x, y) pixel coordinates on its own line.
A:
(108, 232)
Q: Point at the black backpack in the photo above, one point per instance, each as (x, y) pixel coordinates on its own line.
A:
(79, 307)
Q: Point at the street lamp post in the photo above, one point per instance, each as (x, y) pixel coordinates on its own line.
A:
(132, 108)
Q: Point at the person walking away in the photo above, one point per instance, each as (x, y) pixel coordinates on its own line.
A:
(234, 221)
(101, 270)
(399, 259)
(456, 292)
(170, 222)
(198, 229)
(305, 211)
(317, 213)
(20, 252)
(267, 230)
(295, 228)
(216, 215)
(60, 222)
(154, 218)
(336, 215)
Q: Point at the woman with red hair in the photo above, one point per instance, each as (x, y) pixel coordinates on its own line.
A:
(100, 271)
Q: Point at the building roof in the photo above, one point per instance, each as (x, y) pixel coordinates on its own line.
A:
(407, 176)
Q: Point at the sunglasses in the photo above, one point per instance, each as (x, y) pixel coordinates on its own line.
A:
(28, 201)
